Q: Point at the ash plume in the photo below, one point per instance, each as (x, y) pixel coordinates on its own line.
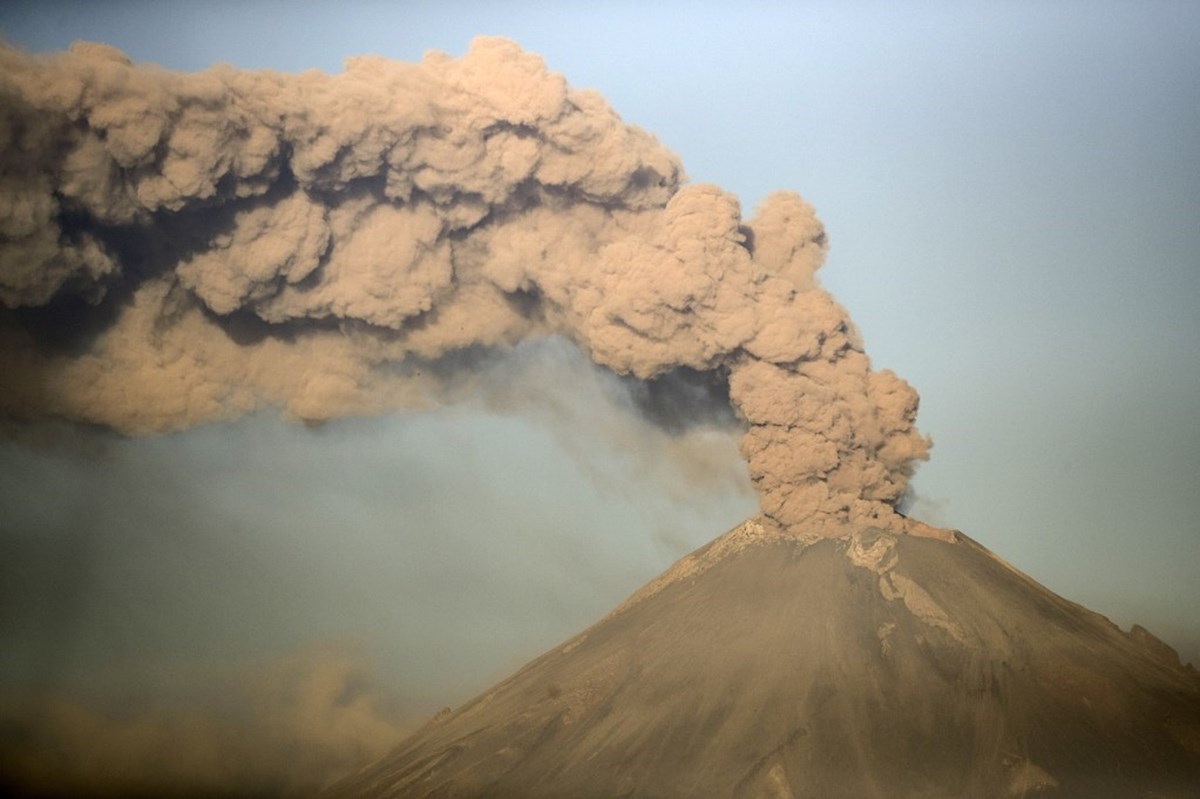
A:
(183, 248)
(285, 727)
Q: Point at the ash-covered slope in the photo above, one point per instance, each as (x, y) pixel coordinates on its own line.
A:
(873, 665)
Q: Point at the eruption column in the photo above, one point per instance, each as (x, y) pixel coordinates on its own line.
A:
(180, 248)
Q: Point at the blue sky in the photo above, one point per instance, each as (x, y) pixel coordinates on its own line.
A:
(1012, 194)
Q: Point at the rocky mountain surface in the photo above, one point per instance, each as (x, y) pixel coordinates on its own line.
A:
(779, 667)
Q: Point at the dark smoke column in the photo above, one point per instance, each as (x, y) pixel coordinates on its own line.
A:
(179, 248)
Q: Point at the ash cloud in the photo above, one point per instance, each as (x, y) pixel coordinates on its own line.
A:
(332, 245)
(287, 727)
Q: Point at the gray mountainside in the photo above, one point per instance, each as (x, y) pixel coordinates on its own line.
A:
(873, 665)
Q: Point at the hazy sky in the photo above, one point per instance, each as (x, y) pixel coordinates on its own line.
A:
(1012, 194)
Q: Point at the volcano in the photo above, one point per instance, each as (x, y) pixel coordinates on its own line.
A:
(871, 665)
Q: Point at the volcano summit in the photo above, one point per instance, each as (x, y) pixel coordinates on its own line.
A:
(871, 665)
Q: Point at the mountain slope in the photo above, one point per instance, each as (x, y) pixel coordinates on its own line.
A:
(873, 665)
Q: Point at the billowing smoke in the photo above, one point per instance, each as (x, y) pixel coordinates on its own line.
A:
(180, 248)
(283, 728)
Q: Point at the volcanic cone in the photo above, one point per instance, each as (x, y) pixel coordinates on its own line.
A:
(874, 664)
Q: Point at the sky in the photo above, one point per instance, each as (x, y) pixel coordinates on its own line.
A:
(1012, 196)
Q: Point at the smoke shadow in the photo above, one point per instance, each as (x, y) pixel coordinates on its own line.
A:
(683, 399)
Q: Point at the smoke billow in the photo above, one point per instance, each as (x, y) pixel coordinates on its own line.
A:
(181, 248)
(283, 728)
